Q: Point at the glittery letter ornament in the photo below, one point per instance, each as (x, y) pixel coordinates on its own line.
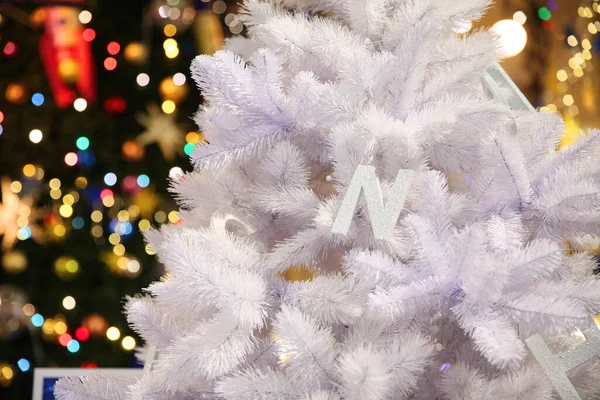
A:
(557, 366)
(151, 357)
(228, 222)
(383, 216)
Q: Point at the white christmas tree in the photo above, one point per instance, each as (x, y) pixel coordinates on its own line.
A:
(322, 94)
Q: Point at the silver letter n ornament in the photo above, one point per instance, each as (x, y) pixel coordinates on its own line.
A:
(383, 216)
(556, 366)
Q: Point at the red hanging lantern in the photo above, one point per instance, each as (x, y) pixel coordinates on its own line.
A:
(67, 57)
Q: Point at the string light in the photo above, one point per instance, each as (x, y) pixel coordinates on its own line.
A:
(562, 75)
(60, 230)
(143, 180)
(568, 100)
(175, 172)
(189, 148)
(69, 303)
(119, 249)
(110, 64)
(78, 223)
(173, 217)
(85, 17)
(160, 217)
(108, 201)
(163, 11)
(89, 34)
(110, 179)
(142, 79)
(113, 333)
(513, 37)
(81, 182)
(114, 239)
(35, 136)
(219, 7)
(170, 30)
(80, 104)
(65, 211)
(544, 14)
(82, 333)
(16, 187)
(24, 233)
(520, 17)
(23, 364)
(96, 216)
(29, 170)
(113, 48)
(73, 346)
(97, 231)
(37, 99)
(28, 309)
(128, 343)
(174, 13)
(144, 225)
(69, 199)
(172, 53)
(106, 193)
(179, 79)
(171, 48)
(149, 250)
(61, 328)
(54, 183)
(64, 338)
(7, 372)
(9, 49)
(168, 107)
(82, 143)
(133, 266)
(238, 27)
(37, 320)
(71, 159)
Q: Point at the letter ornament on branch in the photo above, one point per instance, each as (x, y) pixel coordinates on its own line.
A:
(383, 216)
(556, 366)
(151, 357)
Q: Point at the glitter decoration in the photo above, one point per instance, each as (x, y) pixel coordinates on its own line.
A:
(151, 356)
(557, 366)
(383, 216)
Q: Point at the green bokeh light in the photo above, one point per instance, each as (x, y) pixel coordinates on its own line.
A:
(544, 14)
(188, 148)
(83, 143)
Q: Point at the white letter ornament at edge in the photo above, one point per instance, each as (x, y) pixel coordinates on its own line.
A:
(219, 221)
(151, 356)
(383, 216)
(556, 366)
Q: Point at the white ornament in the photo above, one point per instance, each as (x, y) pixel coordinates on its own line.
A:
(151, 356)
(222, 223)
(556, 366)
(383, 216)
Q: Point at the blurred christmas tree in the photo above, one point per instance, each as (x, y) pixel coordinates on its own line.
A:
(94, 115)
